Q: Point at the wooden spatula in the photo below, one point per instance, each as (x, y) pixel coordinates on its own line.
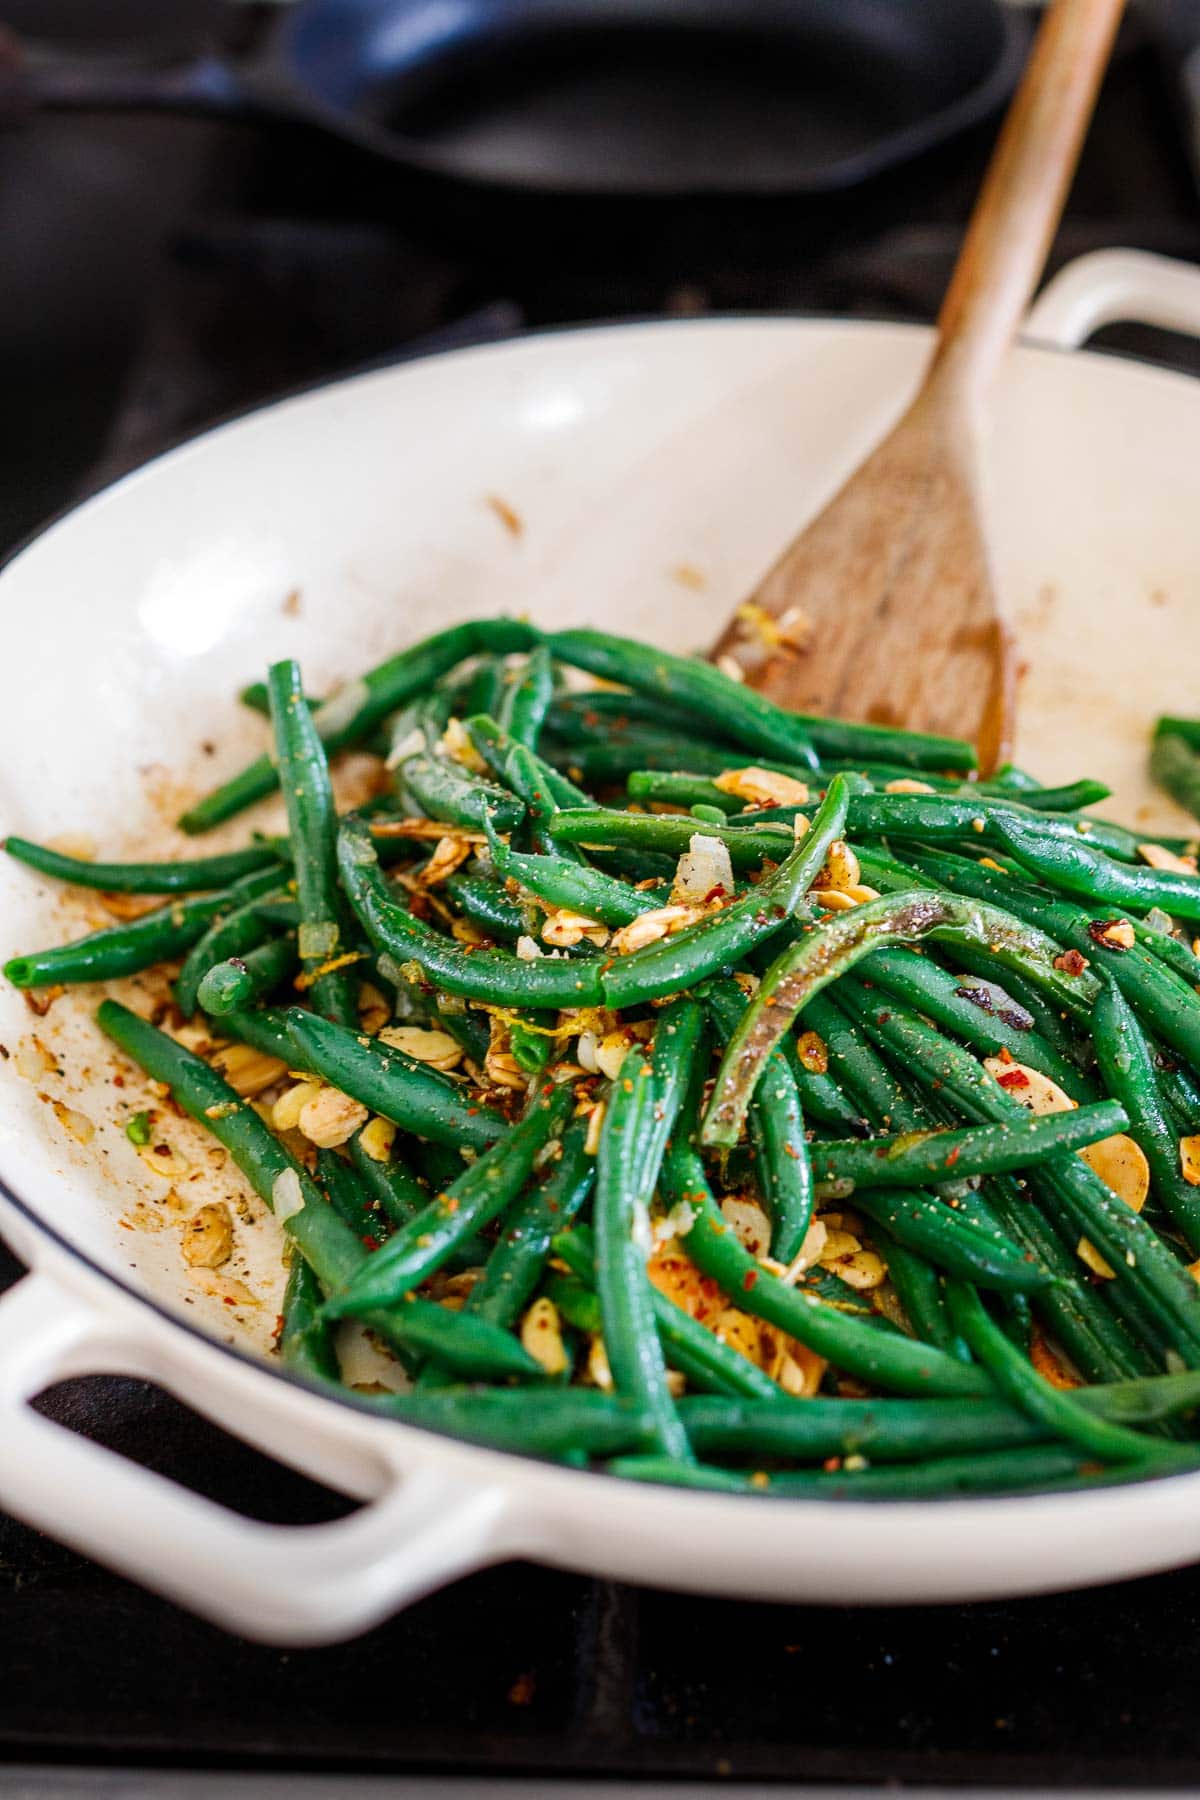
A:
(883, 608)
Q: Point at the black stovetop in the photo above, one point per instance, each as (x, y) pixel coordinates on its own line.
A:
(160, 274)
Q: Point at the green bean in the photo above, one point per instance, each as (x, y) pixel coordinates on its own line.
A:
(494, 976)
(389, 1081)
(155, 937)
(810, 963)
(1175, 766)
(947, 818)
(609, 712)
(353, 711)
(573, 885)
(953, 1243)
(1082, 870)
(485, 903)
(526, 700)
(979, 1012)
(709, 1364)
(896, 1430)
(468, 1347)
(641, 1113)
(670, 787)
(350, 1198)
(721, 939)
(1012, 1471)
(389, 1181)
(920, 1158)
(312, 823)
(187, 877)
(559, 1422)
(1141, 1262)
(230, 934)
(443, 790)
(1128, 1071)
(1072, 797)
(496, 747)
(920, 1293)
(609, 760)
(327, 1243)
(882, 1359)
(1051, 1407)
(598, 827)
(745, 716)
(513, 1270)
(305, 1342)
(776, 1124)
(1167, 1003)
(874, 1086)
(483, 1190)
(241, 980)
(1076, 1316)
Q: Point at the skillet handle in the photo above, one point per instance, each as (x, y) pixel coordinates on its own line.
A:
(278, 1584)
(1108, 287)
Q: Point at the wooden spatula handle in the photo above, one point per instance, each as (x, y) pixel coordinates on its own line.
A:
(1023, 194)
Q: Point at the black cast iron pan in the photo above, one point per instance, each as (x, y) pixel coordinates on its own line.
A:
(591, 101)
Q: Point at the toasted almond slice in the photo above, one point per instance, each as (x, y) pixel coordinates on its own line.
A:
(377, 1138)
(1159, 857)
(565, 928)
(741, 1332)
(1036, 1092)
(285, 1114)
(598, 1371)
(373, 1010)
(208, 1237)
(797, 1369)
(541, 1336)
(907, 784)
(75, 1123)
(248, 1071)
(763, 787)
(841, 867)
(1048, 1362)
(591, 1142)
(832, 899)
(1121, 1165)
(749, 1223)
(611, 1052)
(1088, 1253)
(449, 853)
(1189, 1160)
(730, 666)
(459, 747)
(331, 1118)
(653, 925)
(814, 1052)
(425, 1045)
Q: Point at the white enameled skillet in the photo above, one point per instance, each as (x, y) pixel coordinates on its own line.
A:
(654, 470)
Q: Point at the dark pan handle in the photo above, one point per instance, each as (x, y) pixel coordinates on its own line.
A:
(205, 86)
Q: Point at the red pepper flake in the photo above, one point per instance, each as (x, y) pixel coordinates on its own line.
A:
(954, 1155)
(832, 1464)
(1005, 1054)
(372, 1243)
(714, 893)
(1071, 962)
(522, 1690)
(228, 1300)
(882, 1018)
(1013, 1078)
(749, 1279)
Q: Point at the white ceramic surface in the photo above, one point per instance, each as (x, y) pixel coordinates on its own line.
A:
(655, 470)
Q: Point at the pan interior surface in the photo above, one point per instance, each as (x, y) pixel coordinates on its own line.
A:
(625, 95)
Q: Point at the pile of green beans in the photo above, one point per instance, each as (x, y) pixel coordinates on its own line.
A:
(662, 1062)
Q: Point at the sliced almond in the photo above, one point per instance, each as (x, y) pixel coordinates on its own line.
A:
(449, 853)
(377, 1138)
(1159, 857)
(564, 929)
(208, 1237)
(75, 1123)
(1118, 1160)
(285, 1114)
(458, 746)
(814, 1052)
(542, 1338)
(907, 784)
(248, 1071)
(591, 1143)
(599, 1373)
(425, 1044)
(841, 866)
(1189, 1160)
(832, 899)
(373, 1010)
(749, 1223)
(741, 1332)
(762, 787)
(652, 926)
(331, 1118)
(863, 1270)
